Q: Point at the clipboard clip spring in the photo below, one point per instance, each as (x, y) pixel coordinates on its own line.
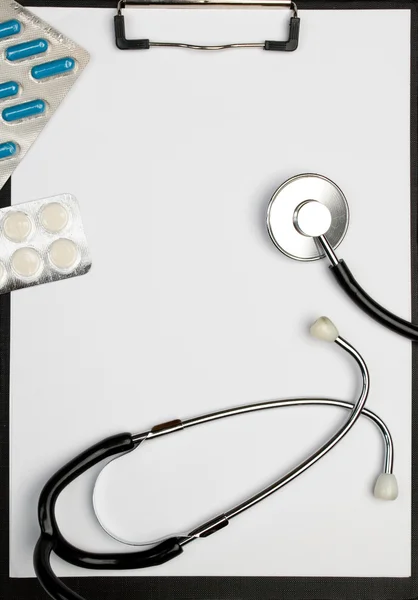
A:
(288, 45)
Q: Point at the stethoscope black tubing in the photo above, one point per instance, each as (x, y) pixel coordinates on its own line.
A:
(47, 578)
(348, 283)
(52, 540)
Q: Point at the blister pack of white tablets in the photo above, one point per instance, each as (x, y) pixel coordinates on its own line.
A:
(42, 241)
(38, 66)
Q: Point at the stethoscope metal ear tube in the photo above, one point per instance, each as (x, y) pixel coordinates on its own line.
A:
(51, 539)
(384, 493)
(307, 219)
(299, 469)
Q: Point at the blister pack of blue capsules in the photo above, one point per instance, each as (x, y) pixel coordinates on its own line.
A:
(38, 66)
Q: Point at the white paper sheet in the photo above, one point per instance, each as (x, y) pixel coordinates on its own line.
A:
(173, 156)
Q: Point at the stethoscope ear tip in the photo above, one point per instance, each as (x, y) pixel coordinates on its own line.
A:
(386, 487)
(324, 329)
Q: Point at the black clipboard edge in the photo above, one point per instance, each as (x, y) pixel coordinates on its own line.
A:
(229, 588)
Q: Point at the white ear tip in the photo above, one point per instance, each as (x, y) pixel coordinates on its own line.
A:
(324, 329)
(386, 487)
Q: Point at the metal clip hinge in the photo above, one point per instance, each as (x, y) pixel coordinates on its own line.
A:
(288, 45)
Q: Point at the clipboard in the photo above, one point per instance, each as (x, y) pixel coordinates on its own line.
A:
(232, 587)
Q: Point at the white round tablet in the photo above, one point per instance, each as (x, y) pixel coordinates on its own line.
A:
(54, 217)
(63, 254)
(17, 226)
(26, 262)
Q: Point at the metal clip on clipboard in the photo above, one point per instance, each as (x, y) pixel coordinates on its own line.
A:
(288, 45)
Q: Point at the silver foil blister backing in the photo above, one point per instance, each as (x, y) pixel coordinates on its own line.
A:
(41, 240)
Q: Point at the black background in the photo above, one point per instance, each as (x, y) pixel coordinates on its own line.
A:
(225, 588)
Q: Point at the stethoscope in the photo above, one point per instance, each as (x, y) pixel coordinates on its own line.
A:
(307, 219)
(161, 551)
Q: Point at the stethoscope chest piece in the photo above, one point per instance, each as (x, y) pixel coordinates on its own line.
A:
(303, 208)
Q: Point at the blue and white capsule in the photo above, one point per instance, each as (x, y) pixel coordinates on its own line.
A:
(8, 89)
(27, 110)
(7, 150)
(26, 50)
(61, 66)
(9, 28)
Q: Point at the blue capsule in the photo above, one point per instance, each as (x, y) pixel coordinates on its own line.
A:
(7, 150)
(9, 28)
(55, 67)
(27, 49)
(8, 89)
(23, 111)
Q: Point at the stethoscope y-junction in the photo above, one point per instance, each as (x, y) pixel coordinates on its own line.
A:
(52, 540)
(307, 219)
